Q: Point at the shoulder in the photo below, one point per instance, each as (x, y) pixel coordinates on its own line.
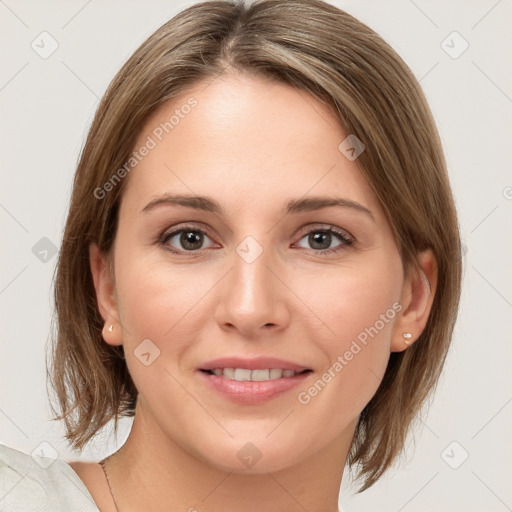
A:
(33, 483)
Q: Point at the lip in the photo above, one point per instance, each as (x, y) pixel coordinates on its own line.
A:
(251, 392)
(255, 363)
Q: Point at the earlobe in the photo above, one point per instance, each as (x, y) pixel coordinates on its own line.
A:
(417, 298)
(105, 295)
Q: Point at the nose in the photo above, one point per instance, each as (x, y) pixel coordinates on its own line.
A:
(253, 297)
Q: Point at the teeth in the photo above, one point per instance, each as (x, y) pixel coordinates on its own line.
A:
(243, 374)
(276, 373)
(228, 372)
(257, 374)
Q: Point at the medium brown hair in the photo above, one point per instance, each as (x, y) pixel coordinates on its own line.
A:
(314, 47)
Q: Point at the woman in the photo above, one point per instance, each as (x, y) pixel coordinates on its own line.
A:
(261, 264)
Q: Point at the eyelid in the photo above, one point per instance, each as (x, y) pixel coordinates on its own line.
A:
(326, 227)
(302, 231)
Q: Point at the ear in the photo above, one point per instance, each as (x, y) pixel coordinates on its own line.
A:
(105, 295)
(417, 298)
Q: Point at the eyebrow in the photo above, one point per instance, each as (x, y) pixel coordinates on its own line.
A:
(292, 206)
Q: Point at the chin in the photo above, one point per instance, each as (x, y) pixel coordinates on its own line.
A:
(248, 457)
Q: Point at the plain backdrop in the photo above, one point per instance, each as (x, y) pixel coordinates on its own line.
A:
(459, 459)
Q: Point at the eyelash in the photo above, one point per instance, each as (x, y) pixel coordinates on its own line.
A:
(343, 237)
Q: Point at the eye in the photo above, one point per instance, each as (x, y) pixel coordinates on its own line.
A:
(190, 238)
(321, 240)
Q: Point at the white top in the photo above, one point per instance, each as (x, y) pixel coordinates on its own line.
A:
(30, 484)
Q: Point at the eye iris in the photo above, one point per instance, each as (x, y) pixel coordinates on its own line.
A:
(189, 238)
(320, 238)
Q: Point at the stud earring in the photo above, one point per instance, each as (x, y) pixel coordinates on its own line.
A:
(111, 328)
(407, 336)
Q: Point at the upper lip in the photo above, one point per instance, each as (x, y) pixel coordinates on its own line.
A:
(252, 363)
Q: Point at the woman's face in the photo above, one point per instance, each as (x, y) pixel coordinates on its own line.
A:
(258, 276)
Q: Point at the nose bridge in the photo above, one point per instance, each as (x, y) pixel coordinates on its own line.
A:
(251, 297)
(251, 273)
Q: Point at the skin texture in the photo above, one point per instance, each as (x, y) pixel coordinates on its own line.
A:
(252, 145)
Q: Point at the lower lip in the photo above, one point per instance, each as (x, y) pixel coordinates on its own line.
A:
(252, 392)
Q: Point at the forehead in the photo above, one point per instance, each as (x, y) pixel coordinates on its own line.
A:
(247, 140)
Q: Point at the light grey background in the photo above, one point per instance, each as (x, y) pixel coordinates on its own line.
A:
(47, 106)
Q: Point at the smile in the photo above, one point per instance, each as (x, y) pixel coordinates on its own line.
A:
(252, 387)
(244, 374)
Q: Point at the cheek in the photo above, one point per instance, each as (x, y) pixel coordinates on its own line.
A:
(162, 313)
(163, 302)
(146, 294)
(346, 301)
(358, 309)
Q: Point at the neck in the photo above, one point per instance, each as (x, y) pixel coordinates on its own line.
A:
(152, 471)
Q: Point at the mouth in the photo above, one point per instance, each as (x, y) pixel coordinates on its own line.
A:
(255, 375)
(252, 386)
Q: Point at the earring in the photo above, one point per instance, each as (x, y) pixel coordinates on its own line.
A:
(407, 336)
(111, 328)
